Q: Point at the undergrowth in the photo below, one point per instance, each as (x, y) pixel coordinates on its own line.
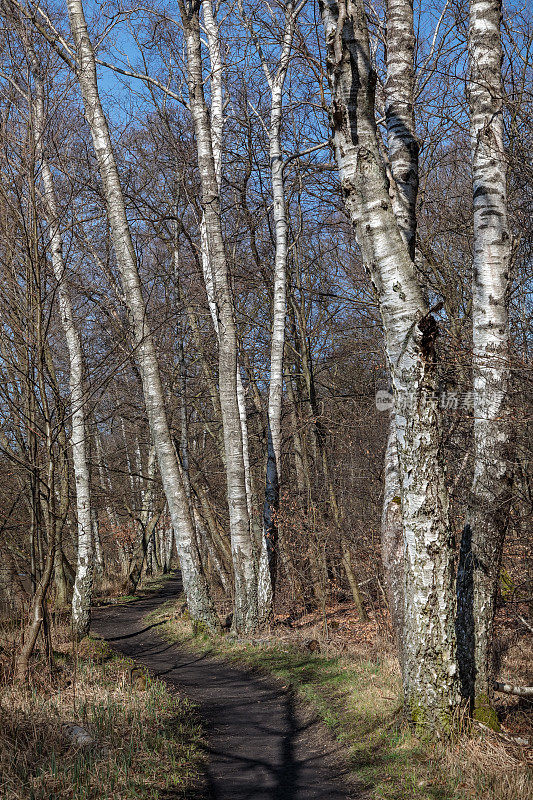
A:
(147, 743)
(357, 695)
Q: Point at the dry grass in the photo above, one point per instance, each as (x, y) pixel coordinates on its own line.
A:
(356, 693)
(485, 766)
(354, 684)
(488, 769)
(147, 744)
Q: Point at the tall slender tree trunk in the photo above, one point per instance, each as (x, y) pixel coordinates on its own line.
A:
(81, 598)
(490, 499)
(216, 119)
(279, 304)
(429, 652)
(392, 539)
(45, 486)
(243, 555)
(403, 156)
(276, 82)
(194, 582)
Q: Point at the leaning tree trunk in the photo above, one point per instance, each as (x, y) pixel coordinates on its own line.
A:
(429, 664)
(244, 564)
(81, 598)
(403, 157)
(194, 582)
(216, 129)
(490, 499)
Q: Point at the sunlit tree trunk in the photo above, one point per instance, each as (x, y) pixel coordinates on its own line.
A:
(217, 129)
(244, 563)
(403, 156)
(490, 499)
(81, 598)
(429, 657)
(195, 585)
(276, 82)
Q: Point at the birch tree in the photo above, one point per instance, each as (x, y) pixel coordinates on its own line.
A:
(402, 148)
(429, 648)
(490, 499)
(216, 118)
(194, 581)
(243, 555)
(276, 81)
(81, 598)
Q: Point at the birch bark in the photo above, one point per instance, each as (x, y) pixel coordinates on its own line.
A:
(429, 657)
(244, 564)
(491, 488)
(276, 84)
(403, 156)
(81, 598)
(195, 585)
(217, 128)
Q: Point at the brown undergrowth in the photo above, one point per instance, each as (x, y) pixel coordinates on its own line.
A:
(352, 680)
(146, 742)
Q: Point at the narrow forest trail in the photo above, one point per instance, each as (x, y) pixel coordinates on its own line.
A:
(260, 744)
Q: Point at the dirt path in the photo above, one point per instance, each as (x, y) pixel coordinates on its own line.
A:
(260, 745)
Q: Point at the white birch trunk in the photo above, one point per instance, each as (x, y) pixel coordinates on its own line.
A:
(275, 388)
(491, 489)
(392, 539)
(400, 117)
(276, 82)
(403, 156)
(194, 583)
(429, 662)
(279, 307)
(217, 129)
(245, 610)
(82, 593)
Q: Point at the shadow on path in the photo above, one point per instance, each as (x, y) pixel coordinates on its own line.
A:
(260, 745)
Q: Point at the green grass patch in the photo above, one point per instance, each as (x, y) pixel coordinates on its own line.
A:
(358, 698)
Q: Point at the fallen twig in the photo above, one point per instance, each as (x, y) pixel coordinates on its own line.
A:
(525, 622)
(507, 688)
(505, 736)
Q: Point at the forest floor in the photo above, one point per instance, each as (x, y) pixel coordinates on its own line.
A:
(261, 743)
(146, 741)
(228, 717)
(351, 684)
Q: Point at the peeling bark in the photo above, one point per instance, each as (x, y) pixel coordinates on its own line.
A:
(490, 498)
(429, 663)
(403, 156)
